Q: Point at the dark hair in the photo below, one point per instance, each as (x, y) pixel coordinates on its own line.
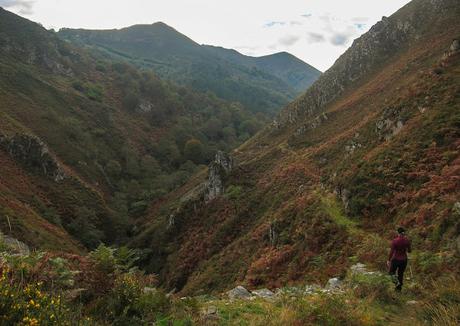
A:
(401, 230)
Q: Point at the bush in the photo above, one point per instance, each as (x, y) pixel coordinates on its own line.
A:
(326, 309)
(375, 286)
(28, 304)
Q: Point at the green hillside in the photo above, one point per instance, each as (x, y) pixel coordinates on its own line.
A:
(262, 84)
(121, 136)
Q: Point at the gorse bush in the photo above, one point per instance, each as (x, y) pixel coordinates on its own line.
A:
(28, 304)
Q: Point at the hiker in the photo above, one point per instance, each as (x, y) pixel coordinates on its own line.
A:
(397, 260)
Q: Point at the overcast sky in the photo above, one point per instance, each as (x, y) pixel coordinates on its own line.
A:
(317, 31)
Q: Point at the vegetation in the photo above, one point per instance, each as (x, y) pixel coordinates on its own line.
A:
(262, 84)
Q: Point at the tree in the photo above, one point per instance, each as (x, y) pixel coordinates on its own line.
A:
(150, 166)
(194, 150)
(113, 168)
(131, 101)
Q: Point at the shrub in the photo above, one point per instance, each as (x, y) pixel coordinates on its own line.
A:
(326, 309)
(375, 286)
(28, 304)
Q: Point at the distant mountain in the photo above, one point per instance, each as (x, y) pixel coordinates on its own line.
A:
(262, 84)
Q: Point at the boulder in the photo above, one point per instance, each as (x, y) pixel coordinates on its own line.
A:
(209, 312)
(358, 269)
(239, 293)
(334, 284)
(263, 293)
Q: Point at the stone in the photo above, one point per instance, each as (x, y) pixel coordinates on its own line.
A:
(333, 284)
(455, 46)
(412, 303)
(239, 293)
(14, 246)
(145, 107)
(358, 269)
(210, 312)
(310, 289)
(263, 293)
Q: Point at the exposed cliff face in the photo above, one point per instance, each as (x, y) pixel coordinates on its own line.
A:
(31, 49)
(32, 153)
(222, 165)
(384, 40)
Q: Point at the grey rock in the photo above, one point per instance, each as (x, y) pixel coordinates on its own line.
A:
(145, 107)
(310, 289)
(263, 293)
(32, 153)
(358, 268)
(455, 46)
(14, 246)
(221, 166)
(390, 123)
(210, 312)
(412, 303)
(239, 293)
(333, 284)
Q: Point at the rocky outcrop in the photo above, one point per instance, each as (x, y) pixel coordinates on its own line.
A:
(145, 107)
(264, 294)
(239, 293)
(313, 124)
(14, 245)
(33, 154)
(221, 166)
(390, 123)
(383, 41)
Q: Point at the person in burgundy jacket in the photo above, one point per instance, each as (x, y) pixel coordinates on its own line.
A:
(397, 260)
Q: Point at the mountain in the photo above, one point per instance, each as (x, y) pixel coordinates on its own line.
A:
(262, 84)
(87, 143)
(371, 145)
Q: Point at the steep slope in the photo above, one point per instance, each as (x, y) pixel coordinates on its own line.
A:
(86, 143)
(290, 69)
(262, 84)
(373, 144)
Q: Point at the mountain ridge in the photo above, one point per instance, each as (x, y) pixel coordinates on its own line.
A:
(227, 73)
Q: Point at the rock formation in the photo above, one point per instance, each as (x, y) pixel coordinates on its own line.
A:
(32, 153)
(221, 166)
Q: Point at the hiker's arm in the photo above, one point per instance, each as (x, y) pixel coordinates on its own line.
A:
(392, 251)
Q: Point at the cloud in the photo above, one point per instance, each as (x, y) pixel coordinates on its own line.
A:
(315, 38)
(24, 6)
(306, 15)
(289, 40)
(274, 23)
(339, 39)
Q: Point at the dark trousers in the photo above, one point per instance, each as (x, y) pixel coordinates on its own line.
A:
(398, 266)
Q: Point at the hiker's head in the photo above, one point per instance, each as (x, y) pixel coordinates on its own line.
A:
(401, 231)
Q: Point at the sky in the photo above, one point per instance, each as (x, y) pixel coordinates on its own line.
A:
(316, 31)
